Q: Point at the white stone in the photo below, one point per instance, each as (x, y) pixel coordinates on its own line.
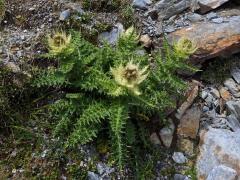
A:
(179, 157)
(166, 134)
(141, 4)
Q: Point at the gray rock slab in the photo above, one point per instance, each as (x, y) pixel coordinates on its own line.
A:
(235, 72)
(141, 4)
(222, 172)
(218, 147)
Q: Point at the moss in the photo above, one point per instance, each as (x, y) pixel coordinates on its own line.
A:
(192, 172)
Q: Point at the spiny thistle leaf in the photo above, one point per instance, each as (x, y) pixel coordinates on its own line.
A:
(119, 116)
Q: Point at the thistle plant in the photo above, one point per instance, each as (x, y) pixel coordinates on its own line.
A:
(59, 42)
(110, 88)
(185, 47)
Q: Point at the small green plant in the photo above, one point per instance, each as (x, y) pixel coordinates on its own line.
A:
(219, 70)
(127, 14)
(109, 89)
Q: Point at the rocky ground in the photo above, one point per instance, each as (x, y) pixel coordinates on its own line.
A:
(202, 139)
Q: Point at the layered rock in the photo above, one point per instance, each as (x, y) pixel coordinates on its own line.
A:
(213, 38)
(219, 147)
(189, 123)
(208, 5)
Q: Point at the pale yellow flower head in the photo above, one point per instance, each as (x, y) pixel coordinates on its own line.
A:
(185, 47)
(59, 42)
(130, 76)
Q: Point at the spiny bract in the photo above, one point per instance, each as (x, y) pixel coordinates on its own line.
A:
(59, 42)
(185, 47)
(130, 76)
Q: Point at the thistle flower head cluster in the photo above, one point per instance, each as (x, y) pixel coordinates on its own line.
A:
(130, 76)
(59, 42)
(184, 47)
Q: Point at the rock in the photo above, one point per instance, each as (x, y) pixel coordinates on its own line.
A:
(191, 95)
(221, 123)
(186, 146)
(234, 108)
(235, 72)
(218, 147)
(104, 170)
(169, 29)
(232, 87)
(208, 5)
(75, 7)
(215, 93)
(225, 94)
(211, 15)
(141, 4)
(93, 176)
(64, 15)
(222, 172)
(194, 17)
(154, 139)
(180, 177)
(218, 20)
(169, 8)
(233, 122)
(211, 38)
(205, 109)
(112, 36)
(204, 93)
(189, 123)
(166, 134)
(179, 158)
(145, 40)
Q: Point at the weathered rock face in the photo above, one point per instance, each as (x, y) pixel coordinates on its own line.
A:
(207, 5)
(189, 123)
(233, 87)
(213, 39)
(222, 173)
(168, 8)
(218, 147)
(234, 108)
(191, 95)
